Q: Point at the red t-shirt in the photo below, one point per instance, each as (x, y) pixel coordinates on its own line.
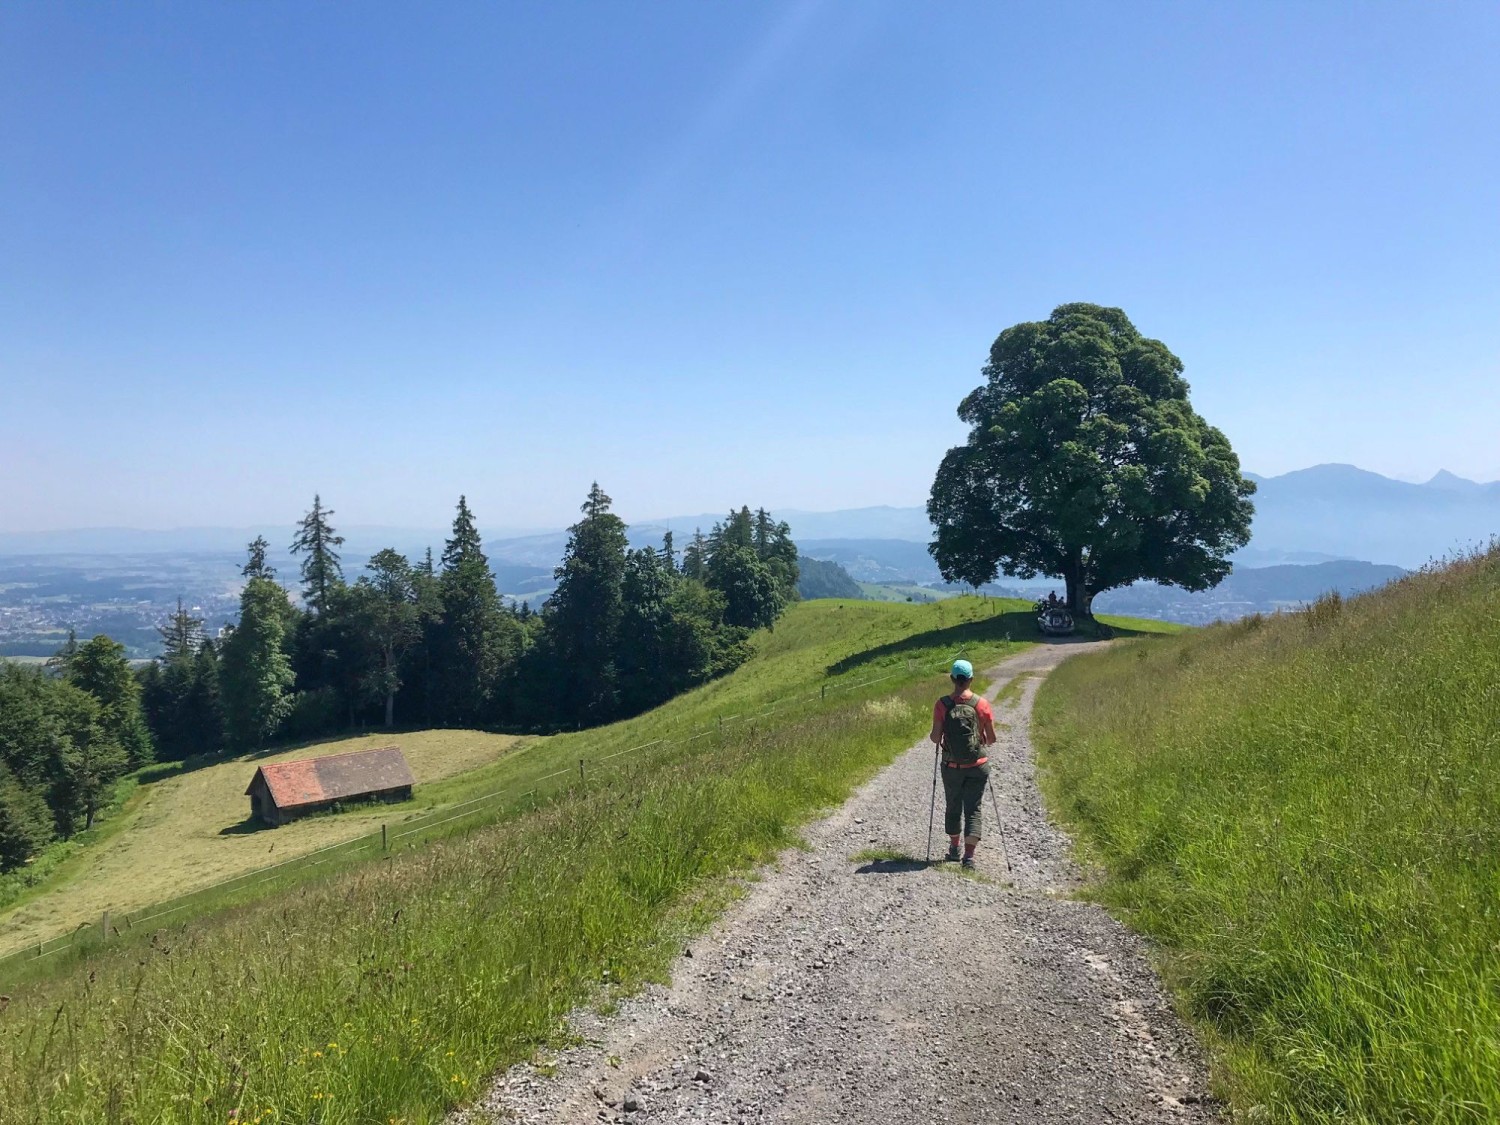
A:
(986, 718)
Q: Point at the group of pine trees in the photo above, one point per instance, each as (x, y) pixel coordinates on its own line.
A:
(419, 644)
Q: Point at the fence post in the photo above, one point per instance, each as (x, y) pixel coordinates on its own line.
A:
(104, 925)
(384, 840)
(581, 776)
(823, 692)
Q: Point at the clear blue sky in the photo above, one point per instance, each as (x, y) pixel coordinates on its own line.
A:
(711, 253)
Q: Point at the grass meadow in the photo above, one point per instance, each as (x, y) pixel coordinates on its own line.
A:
(390, 991)
(1304, 811)
(181, 829)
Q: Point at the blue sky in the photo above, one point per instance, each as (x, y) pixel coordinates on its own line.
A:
(713, 254)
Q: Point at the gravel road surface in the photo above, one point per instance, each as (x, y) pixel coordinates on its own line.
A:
(867, 992)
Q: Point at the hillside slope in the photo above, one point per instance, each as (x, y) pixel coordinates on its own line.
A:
(389, 989)
(188, 828)
(1305, 811)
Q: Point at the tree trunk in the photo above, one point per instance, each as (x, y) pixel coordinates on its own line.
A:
(1080, 598)
(390, 692)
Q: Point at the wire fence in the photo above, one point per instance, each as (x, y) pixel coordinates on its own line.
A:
(111, 924)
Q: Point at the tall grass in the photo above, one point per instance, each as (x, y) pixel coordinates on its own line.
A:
(388, 993)
(1305, 811)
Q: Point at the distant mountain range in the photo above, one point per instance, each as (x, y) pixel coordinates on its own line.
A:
(1309, 516)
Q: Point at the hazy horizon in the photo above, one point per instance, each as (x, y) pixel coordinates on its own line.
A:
(510, 531)
(710, 254)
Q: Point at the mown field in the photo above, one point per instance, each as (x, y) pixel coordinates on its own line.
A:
(390, 991)
(1305, 812)
(184, 828)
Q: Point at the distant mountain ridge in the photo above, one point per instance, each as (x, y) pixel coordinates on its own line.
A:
(1312, 515)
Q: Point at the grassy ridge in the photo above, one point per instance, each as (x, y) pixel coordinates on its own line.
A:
(1305, 811)
(387, 993)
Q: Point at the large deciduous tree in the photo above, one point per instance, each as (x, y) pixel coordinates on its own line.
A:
(1085, 461)
(389, 612)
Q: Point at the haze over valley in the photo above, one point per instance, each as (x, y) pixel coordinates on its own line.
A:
(1330, 527)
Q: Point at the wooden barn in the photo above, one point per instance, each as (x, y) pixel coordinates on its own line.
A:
(283, 791)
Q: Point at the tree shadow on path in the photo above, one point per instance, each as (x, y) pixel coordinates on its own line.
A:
(897, 865)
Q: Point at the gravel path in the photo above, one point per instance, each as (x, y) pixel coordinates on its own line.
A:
(869, 992)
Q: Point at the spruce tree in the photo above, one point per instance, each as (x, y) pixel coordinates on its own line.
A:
(256, 566)
(583, 615)
(469, 640)
(61, 660)
(255, 673)
(695, 557)
(101, 669)
(321, 569)
(181, 636)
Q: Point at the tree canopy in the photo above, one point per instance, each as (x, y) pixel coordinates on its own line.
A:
(1085, 461)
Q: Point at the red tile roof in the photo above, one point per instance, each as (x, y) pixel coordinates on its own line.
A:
(312, 781)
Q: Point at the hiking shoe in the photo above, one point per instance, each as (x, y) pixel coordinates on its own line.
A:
(968, 863)
(953, 854)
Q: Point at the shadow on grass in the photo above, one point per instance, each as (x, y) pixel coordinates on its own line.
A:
(246, 827)
(250, 759)
(1016, 626)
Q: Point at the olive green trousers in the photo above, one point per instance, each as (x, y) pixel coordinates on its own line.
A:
(963, 790)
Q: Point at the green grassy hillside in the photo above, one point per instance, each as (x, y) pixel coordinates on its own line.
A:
(389, 990)
(187, 828)
(1305, 811)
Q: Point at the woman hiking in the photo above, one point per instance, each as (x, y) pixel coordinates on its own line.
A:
(962, 726)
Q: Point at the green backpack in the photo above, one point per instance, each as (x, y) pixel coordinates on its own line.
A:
(961, 741)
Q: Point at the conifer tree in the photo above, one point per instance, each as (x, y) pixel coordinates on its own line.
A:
(88, 761)
(668, 553)
(25, 821)
(695, 557)
(61, 660)
(256, 566)
(469, 639)
(101, 669)
(322, 571)
(181, 636)
(583, 615)
(255, 673)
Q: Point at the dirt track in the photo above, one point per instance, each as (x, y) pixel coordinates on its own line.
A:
(891, 991)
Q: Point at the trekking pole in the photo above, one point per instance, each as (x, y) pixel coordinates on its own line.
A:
(1000, 828)
(932, 809)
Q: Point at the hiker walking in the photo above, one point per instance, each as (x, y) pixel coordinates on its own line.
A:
(962, 726)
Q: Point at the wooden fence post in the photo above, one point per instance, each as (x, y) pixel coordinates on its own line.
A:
(104, 925)
(384, 840)
(581, 776)
(823, 692)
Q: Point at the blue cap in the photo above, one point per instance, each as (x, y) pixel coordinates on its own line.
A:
(962, 670)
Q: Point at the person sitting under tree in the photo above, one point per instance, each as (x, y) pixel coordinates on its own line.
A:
(962, 726)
